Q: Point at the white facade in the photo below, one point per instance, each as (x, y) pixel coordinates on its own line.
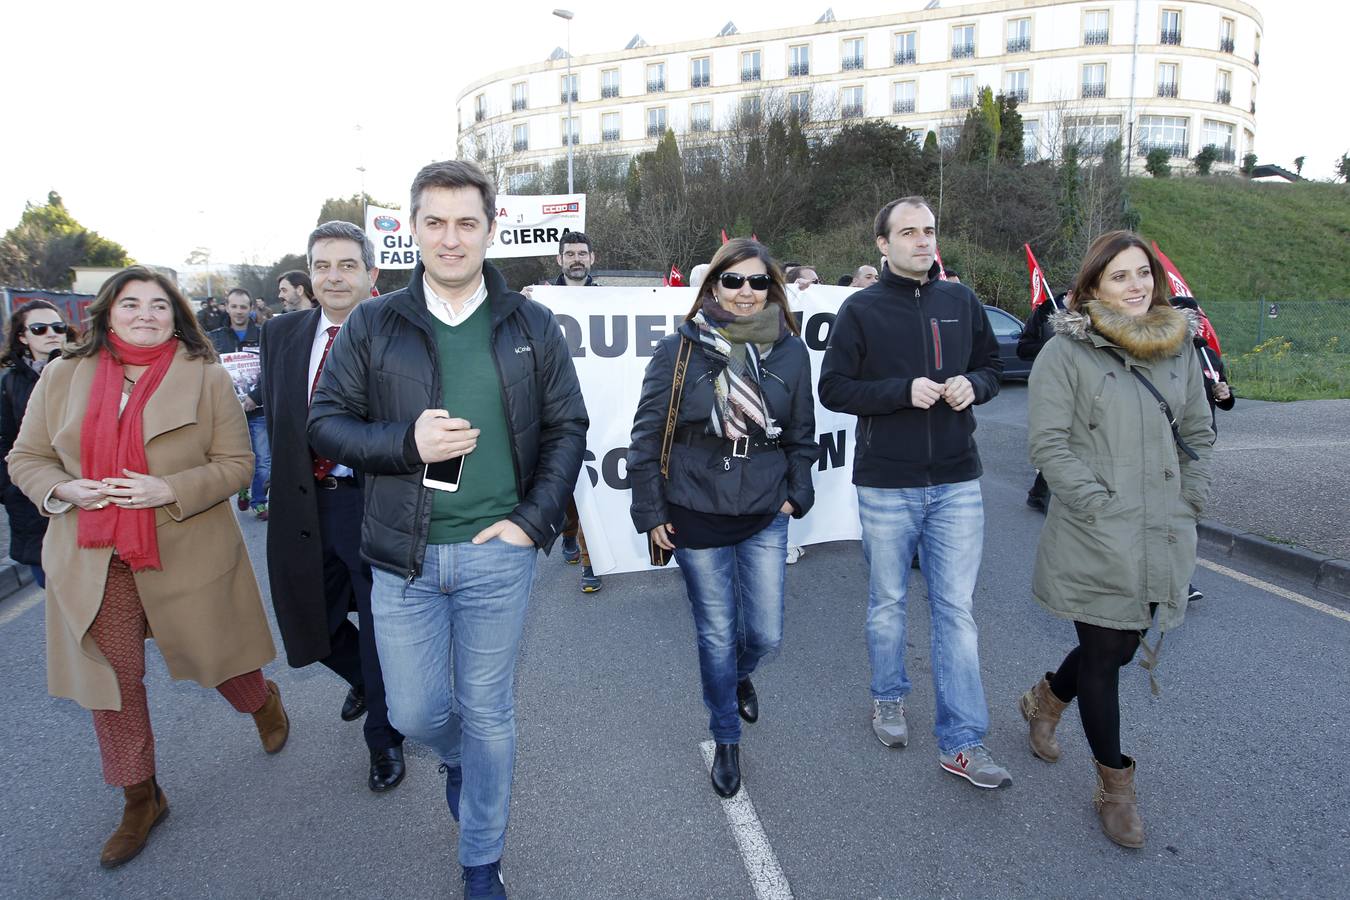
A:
(1195, 79)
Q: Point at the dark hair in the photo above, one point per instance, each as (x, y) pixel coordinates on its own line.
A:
(844, 281)
(337, 230)
(575, 237)
(739, 250)
(882, 225)
(950, 272)
(185, 325)
(794, 271)
(454, 173)
(1099, 256)
(14, 349)
(238, 290)
(299, 280)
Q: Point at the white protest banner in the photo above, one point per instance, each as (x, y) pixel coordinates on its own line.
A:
(612, 334)
(532, 225)
(394, 245)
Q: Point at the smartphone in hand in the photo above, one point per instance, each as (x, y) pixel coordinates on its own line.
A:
(444, 475)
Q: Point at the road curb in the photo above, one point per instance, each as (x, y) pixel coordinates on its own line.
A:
(1324, 572)
(13, 577)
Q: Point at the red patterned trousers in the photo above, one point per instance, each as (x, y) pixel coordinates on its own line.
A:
(125, 740)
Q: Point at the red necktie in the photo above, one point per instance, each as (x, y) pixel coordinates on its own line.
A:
(322, 464)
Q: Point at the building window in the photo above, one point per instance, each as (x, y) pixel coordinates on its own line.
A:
(1094, 80)
(854, 54)
(851, 102)
(1031, 140)
(656, 121)
(479, 108)
(799, 60)
(948, 135)
(610, 124)
(963, 91)
(700, 72)
(1220, 136)
(571, 130)
(751, 109)
(569, 88)
(520, 137)
(1170, 32)
(518, 178)
(1019, 35)
(1253, 96)
(1164, 132)
(1096, 27)
(750, 66)
(1227, 36)
(700, 117)
(1256, 51)
(963, 41)
(656, 78)
(799, 105)
(519, 100)
(609, 83)
(906, 48)
(1223, 91)
(1167, 79)
(1019, 85)
(1091, 134)
(904, 96)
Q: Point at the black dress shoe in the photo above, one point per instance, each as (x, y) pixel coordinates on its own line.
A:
(726, 769)
(747, 701)
(386, 769)
(354, 707)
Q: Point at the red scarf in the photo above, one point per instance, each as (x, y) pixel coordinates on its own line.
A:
(110, 443)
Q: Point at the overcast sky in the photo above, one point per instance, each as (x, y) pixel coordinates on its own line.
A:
(167, 126)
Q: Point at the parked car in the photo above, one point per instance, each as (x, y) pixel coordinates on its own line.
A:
(1008, 328)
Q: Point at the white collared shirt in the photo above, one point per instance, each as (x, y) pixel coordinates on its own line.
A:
(441, 309)
(316, 354)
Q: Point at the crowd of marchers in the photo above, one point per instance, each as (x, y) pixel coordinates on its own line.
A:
(413, 452)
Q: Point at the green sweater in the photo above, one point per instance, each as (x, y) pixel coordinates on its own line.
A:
(471, 390)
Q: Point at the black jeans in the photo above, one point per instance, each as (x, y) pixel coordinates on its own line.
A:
(1091, 672)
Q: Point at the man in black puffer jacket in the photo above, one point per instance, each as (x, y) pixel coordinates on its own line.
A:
(455, 367)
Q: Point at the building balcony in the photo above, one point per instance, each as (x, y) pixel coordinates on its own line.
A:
(1223, 96)
(609, 91)
(1092, 89)
(700, 81)
(1224, 154)
(963, 51)
(520, 146)
(655, 130)
(609, 136)
(656, 87)
(1167, 89)
(1091, 148)
(1096, 38)
(906, 57)
(1256, 58)
(518, 104)
(1172, 38)
(1226, 45)
(904, 105)
(575, 139)
(565, 96)
(852, 63)
(700, 125)
(1253, 107)
(1020, 94)
(851, 111)
(479, 115)
(1019, 45)
(798, 69)
(1175, 151)
(963, 101)
(750, 74)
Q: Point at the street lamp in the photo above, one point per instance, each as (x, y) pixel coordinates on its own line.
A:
(567, 14)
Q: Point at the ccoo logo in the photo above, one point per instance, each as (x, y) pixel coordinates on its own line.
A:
(386, 223)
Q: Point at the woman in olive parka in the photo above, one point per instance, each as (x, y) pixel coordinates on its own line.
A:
(1118, 545)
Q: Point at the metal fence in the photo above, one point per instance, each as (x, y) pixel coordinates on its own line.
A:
(1285, 349)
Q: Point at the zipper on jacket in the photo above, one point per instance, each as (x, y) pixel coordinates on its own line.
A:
(506, 415)
(927, 366)
(418, 538)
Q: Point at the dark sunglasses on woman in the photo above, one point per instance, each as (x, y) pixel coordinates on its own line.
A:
(733, 281)
(40, 328)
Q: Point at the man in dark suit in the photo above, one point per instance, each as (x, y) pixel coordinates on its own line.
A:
(314, 536)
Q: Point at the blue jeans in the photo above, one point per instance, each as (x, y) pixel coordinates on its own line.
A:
(737, 597)
(447, 644)
(946, 523)
(262, 464)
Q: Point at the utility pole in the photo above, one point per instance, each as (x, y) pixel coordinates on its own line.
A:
(567, 14)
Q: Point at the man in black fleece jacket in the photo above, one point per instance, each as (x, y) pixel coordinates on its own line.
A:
(909, 356)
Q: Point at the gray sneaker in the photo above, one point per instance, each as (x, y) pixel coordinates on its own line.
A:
(976, 765)
(888, 722)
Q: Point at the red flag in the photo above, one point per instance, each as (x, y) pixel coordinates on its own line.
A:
(724, 235)
(942, 271)
(1207, 331)
(674, 279)
(1040, 287)
(1178, 287)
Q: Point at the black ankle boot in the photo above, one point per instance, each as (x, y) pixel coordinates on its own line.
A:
(747, 701)
(726, 769)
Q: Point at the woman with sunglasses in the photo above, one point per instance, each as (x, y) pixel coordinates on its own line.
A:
(743, 446)
(36, 332)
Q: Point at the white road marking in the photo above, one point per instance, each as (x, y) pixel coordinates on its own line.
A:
(20, 608)
(1276, 590)
(766, 876)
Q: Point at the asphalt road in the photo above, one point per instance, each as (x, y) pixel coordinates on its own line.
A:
(1242, 785)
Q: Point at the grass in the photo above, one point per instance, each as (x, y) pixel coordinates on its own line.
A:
(1302, 353)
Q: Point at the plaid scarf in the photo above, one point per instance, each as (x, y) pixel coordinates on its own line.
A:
(739, 344)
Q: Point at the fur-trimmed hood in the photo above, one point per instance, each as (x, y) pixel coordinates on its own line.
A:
(1161, 332)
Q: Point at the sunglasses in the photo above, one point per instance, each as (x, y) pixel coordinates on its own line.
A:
(40, 328)
(733, 281)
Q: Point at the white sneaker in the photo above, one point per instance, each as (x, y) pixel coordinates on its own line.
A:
(794, 554)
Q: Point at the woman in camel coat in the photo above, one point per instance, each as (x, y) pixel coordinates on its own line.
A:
(133, 445)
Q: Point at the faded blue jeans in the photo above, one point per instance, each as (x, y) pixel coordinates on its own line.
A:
(447, 643)
(262, 460)
(736, 594)
(945, 522)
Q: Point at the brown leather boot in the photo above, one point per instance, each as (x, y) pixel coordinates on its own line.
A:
(1042, 709)
(1117, 806)
(146, 807)
(273, 724)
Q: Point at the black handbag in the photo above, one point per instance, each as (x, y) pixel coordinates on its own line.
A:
(659, 555)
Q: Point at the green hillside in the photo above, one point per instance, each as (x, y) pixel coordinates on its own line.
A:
(1239, 240)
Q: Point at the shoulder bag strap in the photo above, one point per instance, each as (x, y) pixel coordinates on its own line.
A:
(673, 411)
(1162, 404)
